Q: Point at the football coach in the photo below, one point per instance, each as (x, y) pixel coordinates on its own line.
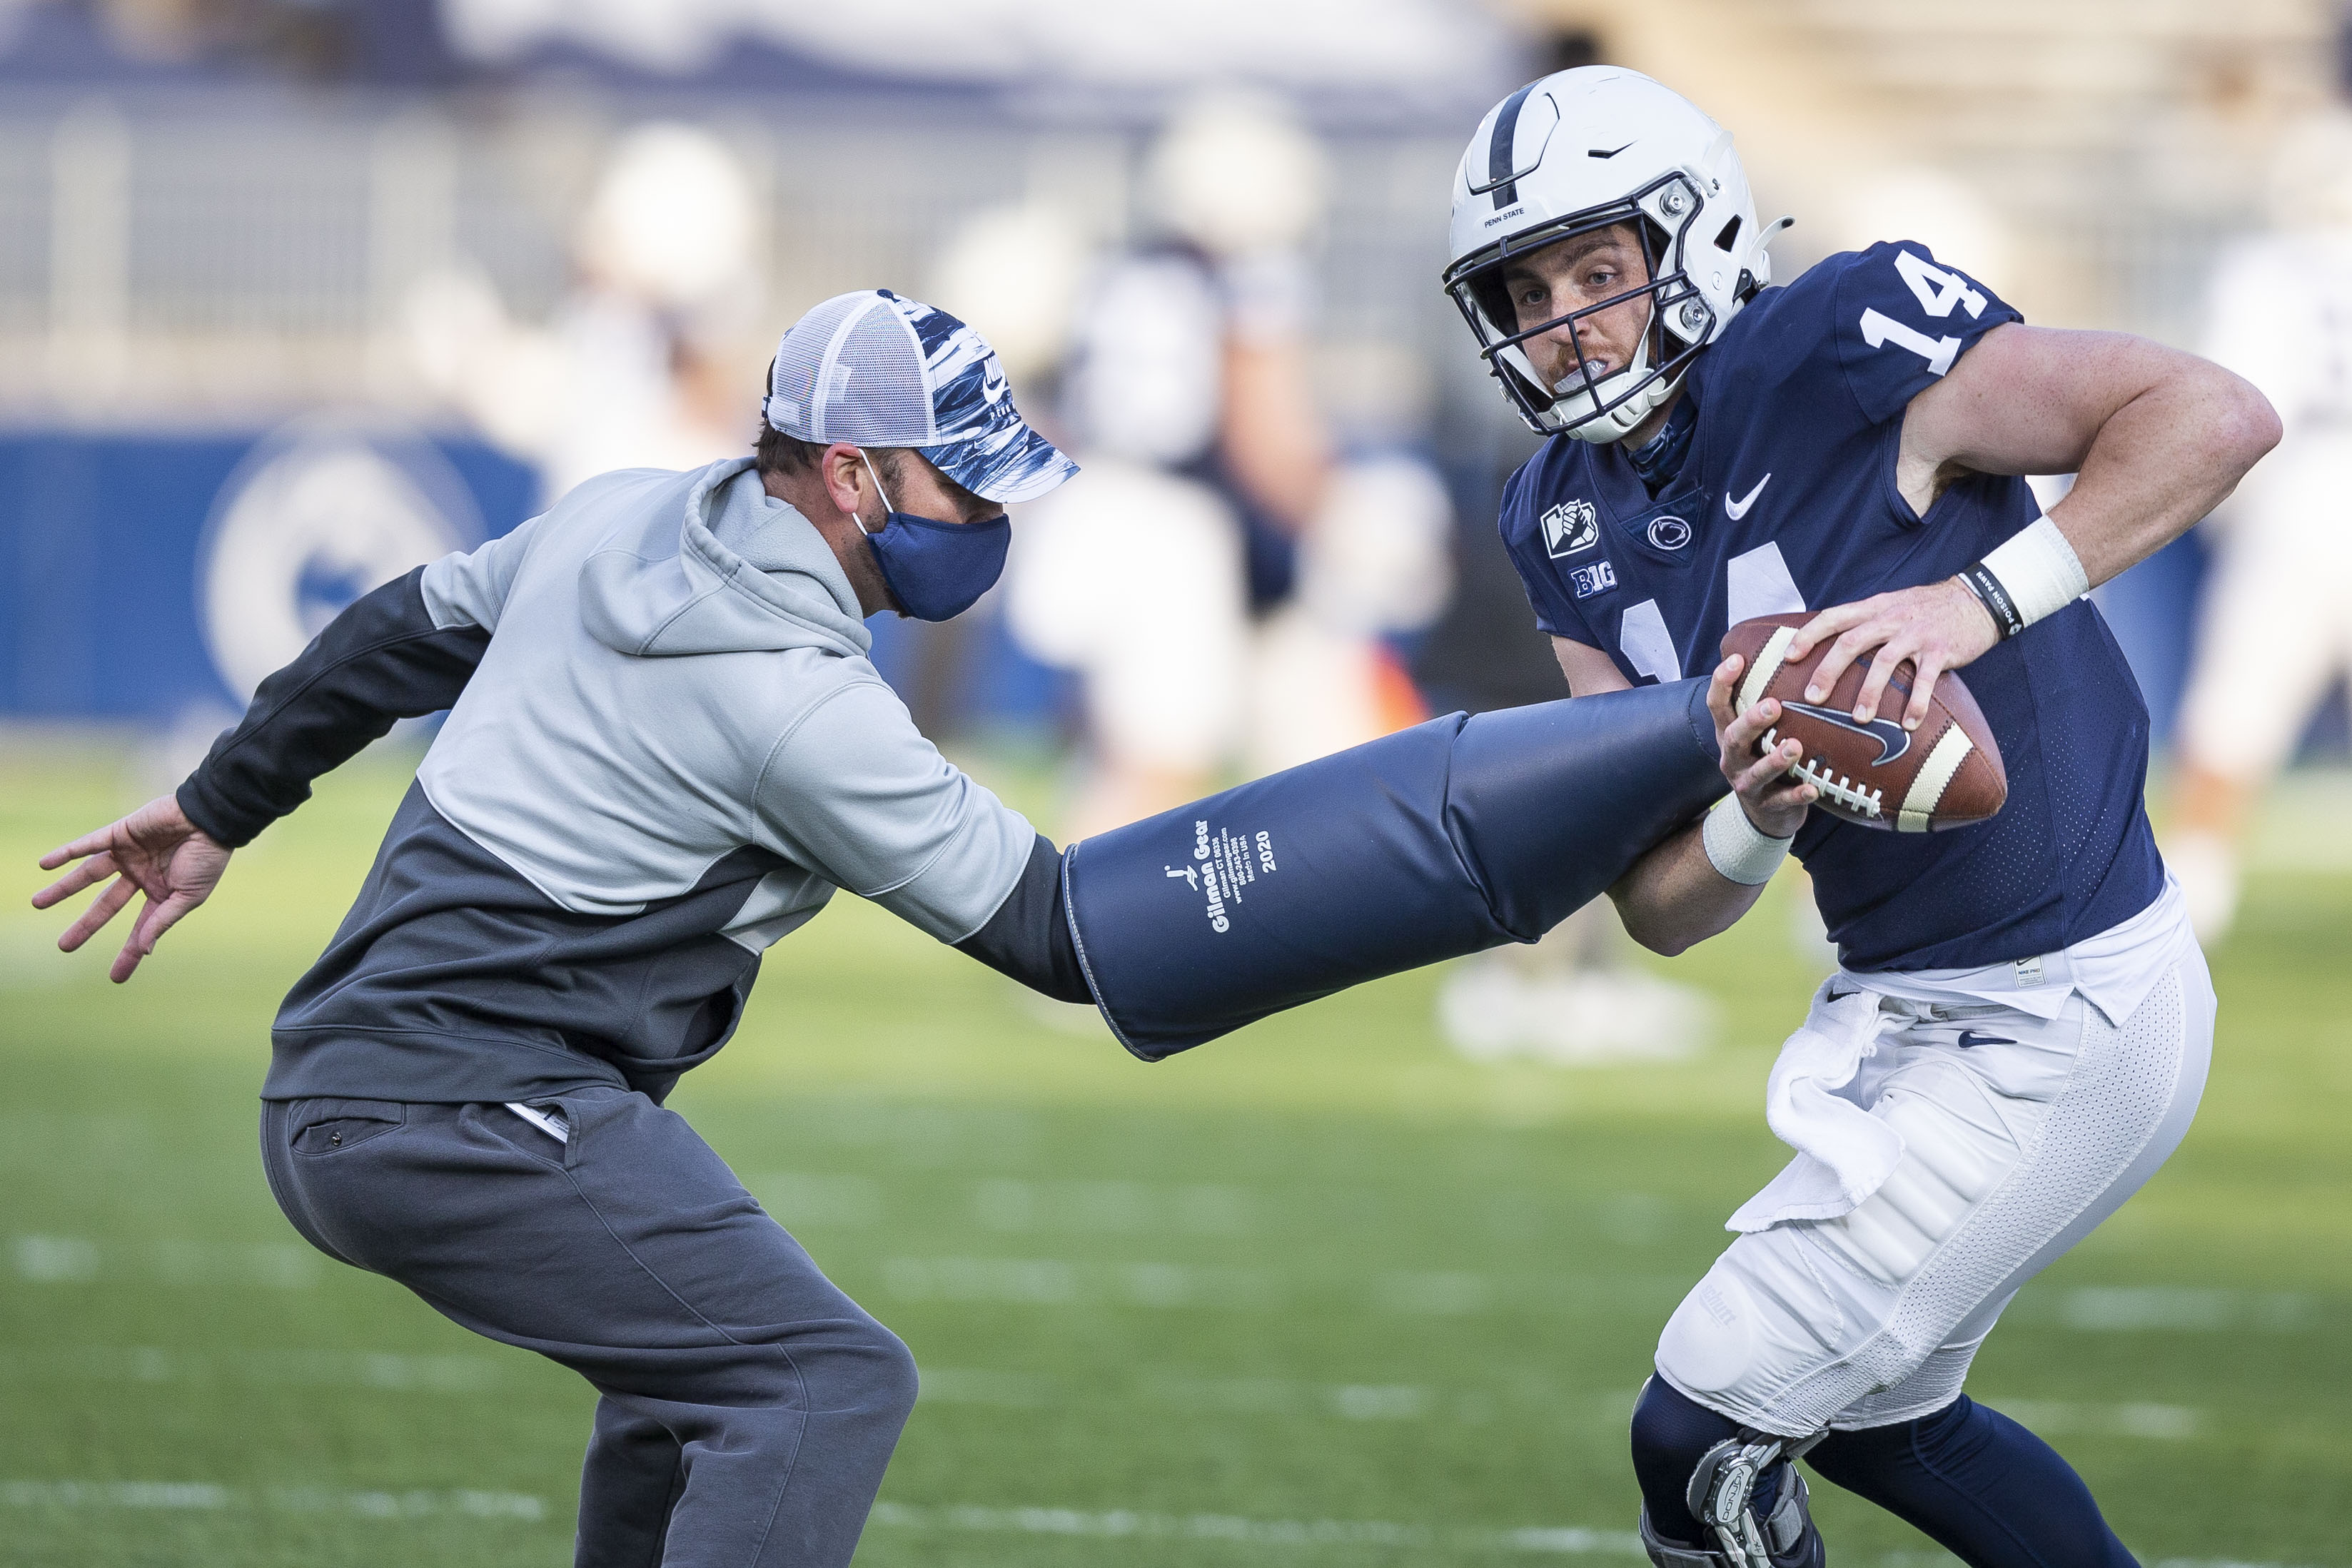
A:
(666, 749)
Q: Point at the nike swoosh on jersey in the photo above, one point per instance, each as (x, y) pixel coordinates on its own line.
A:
(1970, 1038)
(1893, 740)
(1738, 509)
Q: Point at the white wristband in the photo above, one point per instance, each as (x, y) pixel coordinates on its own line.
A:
(1737, 848)
(2039, 569)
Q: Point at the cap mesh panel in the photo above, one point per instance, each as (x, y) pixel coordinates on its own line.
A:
(793, 386)
(872, 390)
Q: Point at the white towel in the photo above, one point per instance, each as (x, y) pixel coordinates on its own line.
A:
(1843, 1153)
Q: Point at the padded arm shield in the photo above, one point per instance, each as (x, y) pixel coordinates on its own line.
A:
(1448, 837)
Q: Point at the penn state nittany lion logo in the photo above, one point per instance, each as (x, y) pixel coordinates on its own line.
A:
(1570, 526)
(316, 515)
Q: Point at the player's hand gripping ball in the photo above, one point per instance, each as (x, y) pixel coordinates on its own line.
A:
(1947, 773)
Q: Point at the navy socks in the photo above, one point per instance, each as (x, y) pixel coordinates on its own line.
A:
(1981, 1486)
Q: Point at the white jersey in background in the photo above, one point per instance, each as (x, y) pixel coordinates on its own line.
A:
(2275, 631)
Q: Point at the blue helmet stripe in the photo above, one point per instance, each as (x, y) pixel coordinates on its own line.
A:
(1500, 164)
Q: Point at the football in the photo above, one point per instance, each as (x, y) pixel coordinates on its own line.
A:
(1947, 773)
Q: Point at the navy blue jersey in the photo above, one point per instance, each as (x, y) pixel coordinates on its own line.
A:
(1787, 501)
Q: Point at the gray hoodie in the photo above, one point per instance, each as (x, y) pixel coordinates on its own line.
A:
(667, 750)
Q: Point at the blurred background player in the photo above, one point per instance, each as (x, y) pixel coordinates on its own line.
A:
(637, 366)
(1270, 528)
(2275, 633)
(1578, 997)
(1242, 565)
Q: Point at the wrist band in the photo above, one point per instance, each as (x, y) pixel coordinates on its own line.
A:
(1979, 580)
(1737, 848)
(2033, 574)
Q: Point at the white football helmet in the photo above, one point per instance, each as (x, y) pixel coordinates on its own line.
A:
(1582, 150)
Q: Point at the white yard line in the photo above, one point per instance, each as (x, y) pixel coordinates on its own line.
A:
(2124, 1309)
(206, 1496)
(1287, 1533)
(1056, 1282)
(1290, 1534)
(2053, 1419)
(464, 1374)
(78, 1260)
(396, 1371)
(1281, 1534)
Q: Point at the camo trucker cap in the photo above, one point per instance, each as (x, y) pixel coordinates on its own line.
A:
(875, 369)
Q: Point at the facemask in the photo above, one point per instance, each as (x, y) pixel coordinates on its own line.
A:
(936, 570)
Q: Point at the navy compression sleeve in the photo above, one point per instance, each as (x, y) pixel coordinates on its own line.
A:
(382, 659)
(1028, 938)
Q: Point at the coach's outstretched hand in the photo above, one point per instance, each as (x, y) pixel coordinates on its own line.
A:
(155, 851)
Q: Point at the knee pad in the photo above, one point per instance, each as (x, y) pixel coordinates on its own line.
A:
(1445, 839)
(1709, 1343)
(1716, 1494)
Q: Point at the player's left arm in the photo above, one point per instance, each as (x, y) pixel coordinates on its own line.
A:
(2158, 439)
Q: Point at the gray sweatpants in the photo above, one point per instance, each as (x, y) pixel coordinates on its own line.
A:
(749, 1406)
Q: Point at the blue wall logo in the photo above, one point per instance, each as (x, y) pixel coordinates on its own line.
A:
(155, 577)
(312, 518)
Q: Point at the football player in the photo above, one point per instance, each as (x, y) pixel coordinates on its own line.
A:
(2275, 630)
(2019, 1028)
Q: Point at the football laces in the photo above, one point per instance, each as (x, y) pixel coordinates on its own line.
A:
(1835, 788)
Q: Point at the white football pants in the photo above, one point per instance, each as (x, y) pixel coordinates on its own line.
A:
(2015, 1146)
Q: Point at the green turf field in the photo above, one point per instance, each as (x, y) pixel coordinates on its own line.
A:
(1317, 1294)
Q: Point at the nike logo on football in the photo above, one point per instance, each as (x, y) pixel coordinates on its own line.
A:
(1605, 151)
(1893, 740)
(1738, 509)
(1970, 1038)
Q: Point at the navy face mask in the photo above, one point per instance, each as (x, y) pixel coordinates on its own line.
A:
(936, 570)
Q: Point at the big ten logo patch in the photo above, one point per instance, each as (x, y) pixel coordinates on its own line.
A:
(1588, 581)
